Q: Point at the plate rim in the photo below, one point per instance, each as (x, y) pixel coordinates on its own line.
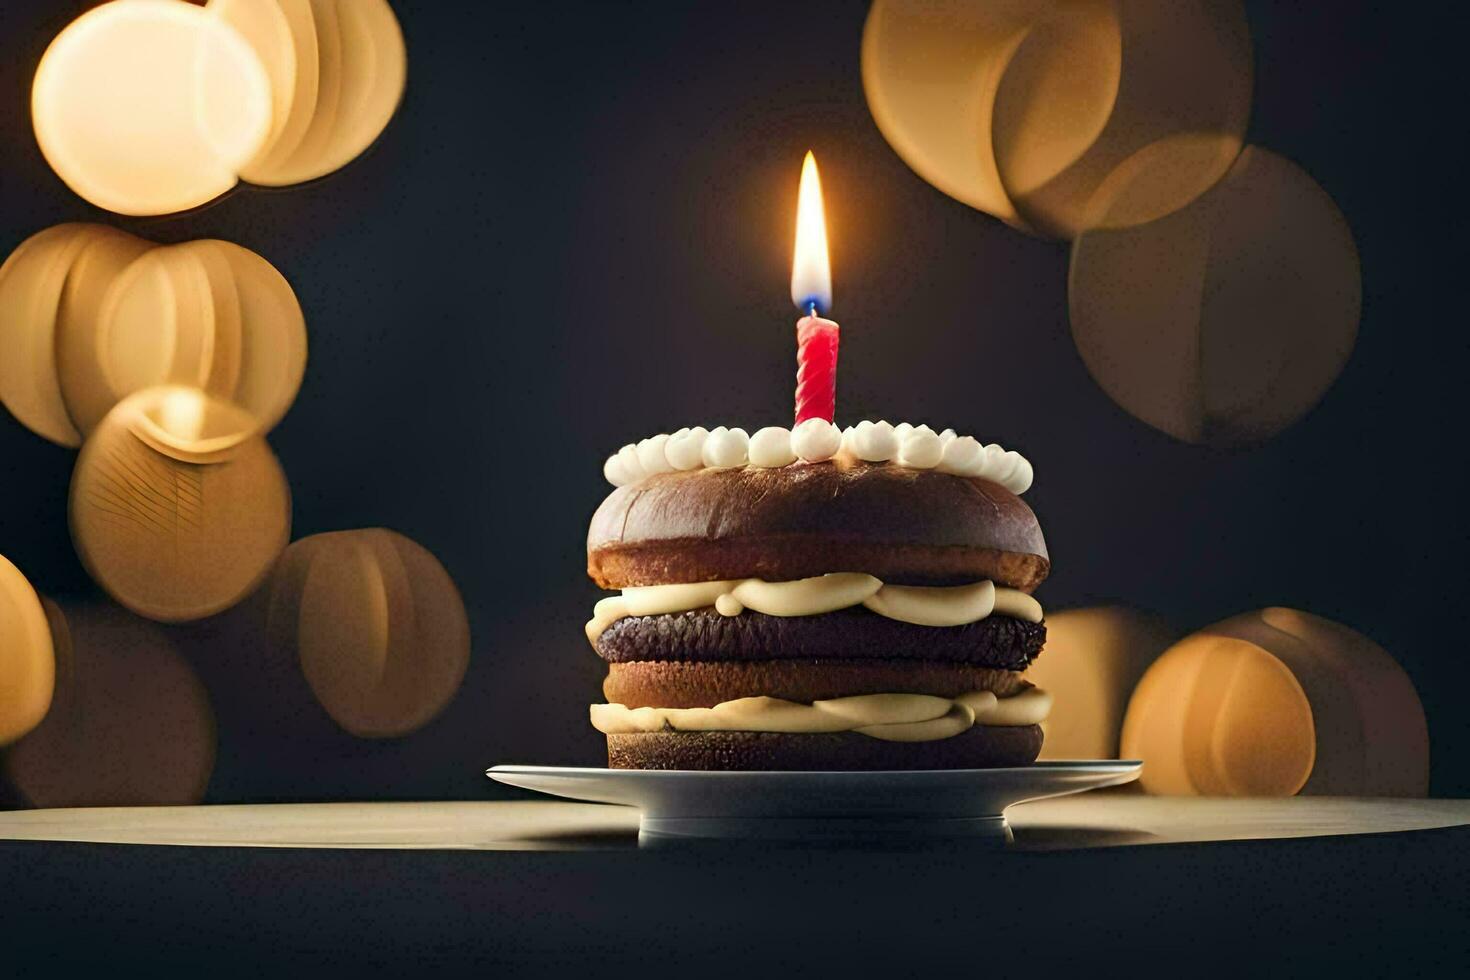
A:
(1107, 766)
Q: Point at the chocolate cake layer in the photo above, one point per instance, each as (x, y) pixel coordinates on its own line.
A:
(658, 684)
(905, 526)
(978, 748)
(854, 634)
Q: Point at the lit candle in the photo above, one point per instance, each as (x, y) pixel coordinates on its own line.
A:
(811, 291)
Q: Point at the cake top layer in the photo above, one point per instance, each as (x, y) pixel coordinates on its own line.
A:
(778, 524)
(915, 447)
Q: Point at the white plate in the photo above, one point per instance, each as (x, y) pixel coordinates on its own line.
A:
(845, 806)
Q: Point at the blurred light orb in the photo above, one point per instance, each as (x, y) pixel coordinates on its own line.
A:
(1227, 320)
(377, 625)
(1102, 80)
(338, 70)
(1024, 109)
(105, 256)
(362, 70)
(27, 656)
(178, 507)
(90, 315)
(148, 107)
(269, 30)
(930, 72)
(32, 283)
(207, 314)
(1092, 660)
(130, 724)
(1057, 97)
(1278, 702)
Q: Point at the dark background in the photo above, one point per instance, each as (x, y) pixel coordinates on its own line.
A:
(577, 232)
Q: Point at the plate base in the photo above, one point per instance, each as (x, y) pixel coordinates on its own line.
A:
(661, 831)
(891, 808)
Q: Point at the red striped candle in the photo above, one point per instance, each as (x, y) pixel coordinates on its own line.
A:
(811, 291)
(816, 368)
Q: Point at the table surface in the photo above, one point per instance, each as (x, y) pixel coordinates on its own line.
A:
(545, 887)
(1099, 819)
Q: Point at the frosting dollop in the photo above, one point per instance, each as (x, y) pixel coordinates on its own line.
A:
(873, 442)
(815, 440)
(652, 455)
(685, 448)
(920, 449)
(891, 717)
(771, 447)
(910, 446)
(726, 447)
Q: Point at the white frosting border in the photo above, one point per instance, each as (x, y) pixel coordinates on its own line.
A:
(915, 447)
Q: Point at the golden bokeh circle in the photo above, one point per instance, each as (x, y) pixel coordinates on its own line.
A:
(176, 511)
(150, 107)
(1024, 109)
(27, 656)
(930, 74)
(378, 626)
(90, 314)
(1224, 321)
(130, 725)
(1096, 82)
(1276, 702)
(361, 69)
(32, 284)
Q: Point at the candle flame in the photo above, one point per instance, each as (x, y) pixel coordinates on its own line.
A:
(811, 269)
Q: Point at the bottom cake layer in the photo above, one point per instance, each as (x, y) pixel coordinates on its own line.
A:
(977, 748)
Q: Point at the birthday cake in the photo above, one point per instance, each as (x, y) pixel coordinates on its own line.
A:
(818, 599)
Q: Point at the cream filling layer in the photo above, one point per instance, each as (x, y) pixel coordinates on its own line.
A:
(922, 606)
(891, 717)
